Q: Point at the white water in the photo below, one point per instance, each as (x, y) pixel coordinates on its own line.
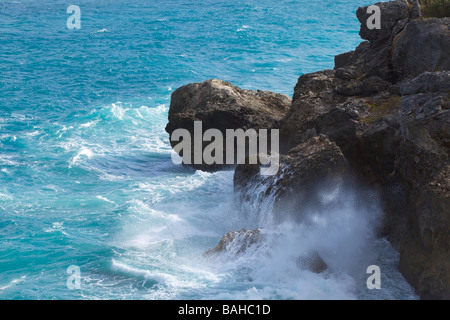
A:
(176, 237)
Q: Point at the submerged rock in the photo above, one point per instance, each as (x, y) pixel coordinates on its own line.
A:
(236, 242)
(312, 262)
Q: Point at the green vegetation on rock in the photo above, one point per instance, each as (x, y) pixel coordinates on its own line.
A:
(435, 8)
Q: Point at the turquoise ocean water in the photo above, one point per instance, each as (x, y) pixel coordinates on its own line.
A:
(86, 176)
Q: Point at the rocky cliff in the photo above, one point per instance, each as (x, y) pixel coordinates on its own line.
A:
(220, 105)
(382, 115)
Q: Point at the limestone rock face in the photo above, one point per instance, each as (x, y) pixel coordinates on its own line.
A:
(319, 108)
(401, 141)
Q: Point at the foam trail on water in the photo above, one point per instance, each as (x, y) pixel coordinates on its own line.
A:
(158, 277)
(13, 283)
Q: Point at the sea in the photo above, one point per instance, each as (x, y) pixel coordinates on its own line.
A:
(91, 204)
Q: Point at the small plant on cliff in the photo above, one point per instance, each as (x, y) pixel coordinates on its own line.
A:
(435, 8)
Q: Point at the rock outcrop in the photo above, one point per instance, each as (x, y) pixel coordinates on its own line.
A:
(220, 105)
(395, 15)
(423, 45)
(382, 114)
(295, 185)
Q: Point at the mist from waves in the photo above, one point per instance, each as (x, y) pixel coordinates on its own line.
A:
(341, 229)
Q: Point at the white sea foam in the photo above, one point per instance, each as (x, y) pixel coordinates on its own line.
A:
(33, 133)
(63, 130)
(136, 272)
(56, 227)
(154, 227)
(13, 283)
(111, 177)
(88, 124)
(84, 152)
(156, 145)
(344, 237)
(118, 111)
(104, 199)
(161, 278)
(243, 28)
(175, 185)
(7, 160)
(8, 137)
(5, 196)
